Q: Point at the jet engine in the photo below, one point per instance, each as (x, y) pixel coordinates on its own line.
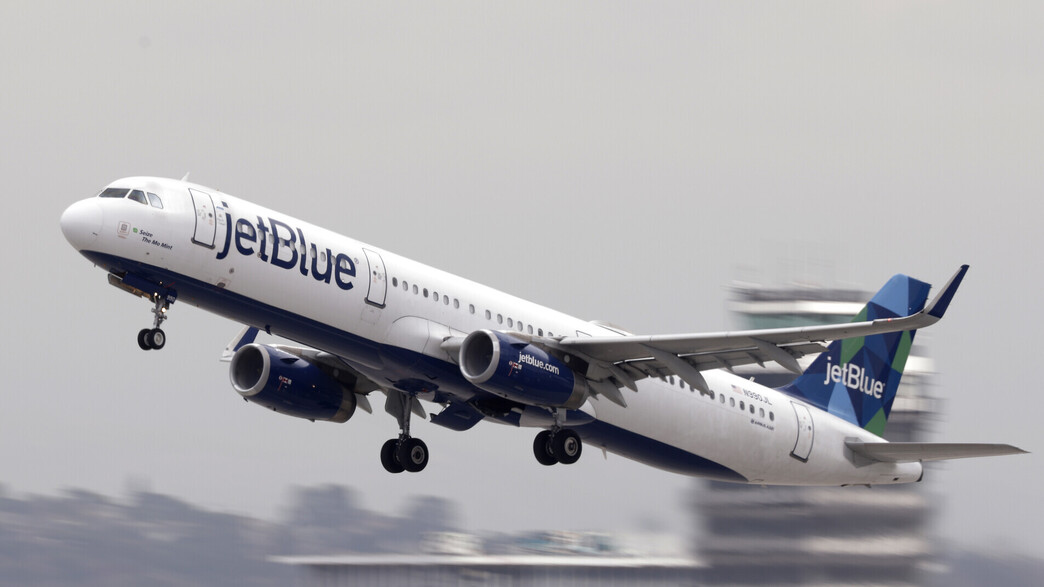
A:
(290, 384)
(520, 371)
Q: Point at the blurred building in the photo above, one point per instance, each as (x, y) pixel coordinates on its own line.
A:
(819, 536)
(404, 570)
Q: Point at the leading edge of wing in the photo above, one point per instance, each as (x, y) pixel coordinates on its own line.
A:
(912, 452)
(622, 348)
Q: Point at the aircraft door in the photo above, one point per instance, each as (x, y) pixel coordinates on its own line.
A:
(206, 227)
(805, 432)
(378, 290)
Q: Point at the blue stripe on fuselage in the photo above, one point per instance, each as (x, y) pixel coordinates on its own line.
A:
(399, 365)
(653, 452)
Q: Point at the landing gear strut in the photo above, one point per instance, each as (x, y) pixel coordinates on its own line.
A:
(154, 338)
(558, 445)
(404, 453)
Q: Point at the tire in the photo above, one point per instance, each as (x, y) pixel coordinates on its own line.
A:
(142, 334)
(389, 458)
(413, 455)
(567, 446)
(156, 338)
(542, 449)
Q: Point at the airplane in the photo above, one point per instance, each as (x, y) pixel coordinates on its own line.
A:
(369, 323)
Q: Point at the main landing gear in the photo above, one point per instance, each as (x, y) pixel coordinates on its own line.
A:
(154, 338)
(558, 445)
(404, 453)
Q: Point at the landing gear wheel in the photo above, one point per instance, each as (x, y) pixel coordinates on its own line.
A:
(141, 339)
(413, 454)
(542, 449)
(566, 446)
(389, 457)
(155, 338)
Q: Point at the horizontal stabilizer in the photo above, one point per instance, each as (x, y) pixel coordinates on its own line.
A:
(911, 452)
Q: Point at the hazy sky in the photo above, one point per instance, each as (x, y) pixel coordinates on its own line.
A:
(618, 161)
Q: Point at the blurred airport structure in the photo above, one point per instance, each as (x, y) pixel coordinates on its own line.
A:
(821, 535)
(82, 538)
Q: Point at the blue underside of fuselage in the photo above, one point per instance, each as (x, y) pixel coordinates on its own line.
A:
(396, 367)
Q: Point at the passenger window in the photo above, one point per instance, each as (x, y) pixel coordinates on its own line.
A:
(500, 318)
(425, 292)
(761, 412)
(489, 316)
(471, 308)
(395, 282)
(415, 290)
(742, 406)
(138, 196)
(732, 402)
(772, 416)
(456, 304)
(435, 296)
(723, 399)
(155, 201)
(445, 300)
(549, 335)
(405, 286)
(529, 329)
(751, 408)
(540, 332)
(113, 193)
(510, 322)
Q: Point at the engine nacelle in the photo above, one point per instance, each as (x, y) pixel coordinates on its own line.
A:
(289, 384)
(515, 369)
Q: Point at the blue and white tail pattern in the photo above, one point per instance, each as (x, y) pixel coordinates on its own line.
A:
(856, 379)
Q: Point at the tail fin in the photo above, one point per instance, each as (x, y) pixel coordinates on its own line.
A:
(856, 379)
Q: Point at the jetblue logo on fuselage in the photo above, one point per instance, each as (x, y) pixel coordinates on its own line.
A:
(289, 250)
(853, 377)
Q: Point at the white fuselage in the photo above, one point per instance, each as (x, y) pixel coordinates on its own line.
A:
(388, 315)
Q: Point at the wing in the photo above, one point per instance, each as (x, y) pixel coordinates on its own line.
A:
(625, 359)
(911, 452)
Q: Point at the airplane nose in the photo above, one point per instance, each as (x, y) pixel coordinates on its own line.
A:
(81, 223)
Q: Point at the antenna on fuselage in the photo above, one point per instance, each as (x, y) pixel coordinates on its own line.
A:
(186, 176)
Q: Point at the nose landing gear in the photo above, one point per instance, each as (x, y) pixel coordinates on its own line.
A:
(154, 338)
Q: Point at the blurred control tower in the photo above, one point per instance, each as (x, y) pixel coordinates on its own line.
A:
(819, 536)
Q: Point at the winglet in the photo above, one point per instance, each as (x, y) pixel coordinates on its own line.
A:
(942, 301)
(245, 337)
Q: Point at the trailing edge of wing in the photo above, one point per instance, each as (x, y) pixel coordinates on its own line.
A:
(615, 349)
(910, 452)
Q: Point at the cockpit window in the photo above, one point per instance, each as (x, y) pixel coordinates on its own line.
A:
(155, 201)
(113, 193)
(138, 196)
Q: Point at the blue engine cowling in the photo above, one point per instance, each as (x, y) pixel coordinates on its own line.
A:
(515, 369)
(289, 384)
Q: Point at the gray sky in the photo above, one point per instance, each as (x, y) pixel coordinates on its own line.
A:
(619, 161)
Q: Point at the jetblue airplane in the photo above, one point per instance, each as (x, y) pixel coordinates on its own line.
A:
(371, 323)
